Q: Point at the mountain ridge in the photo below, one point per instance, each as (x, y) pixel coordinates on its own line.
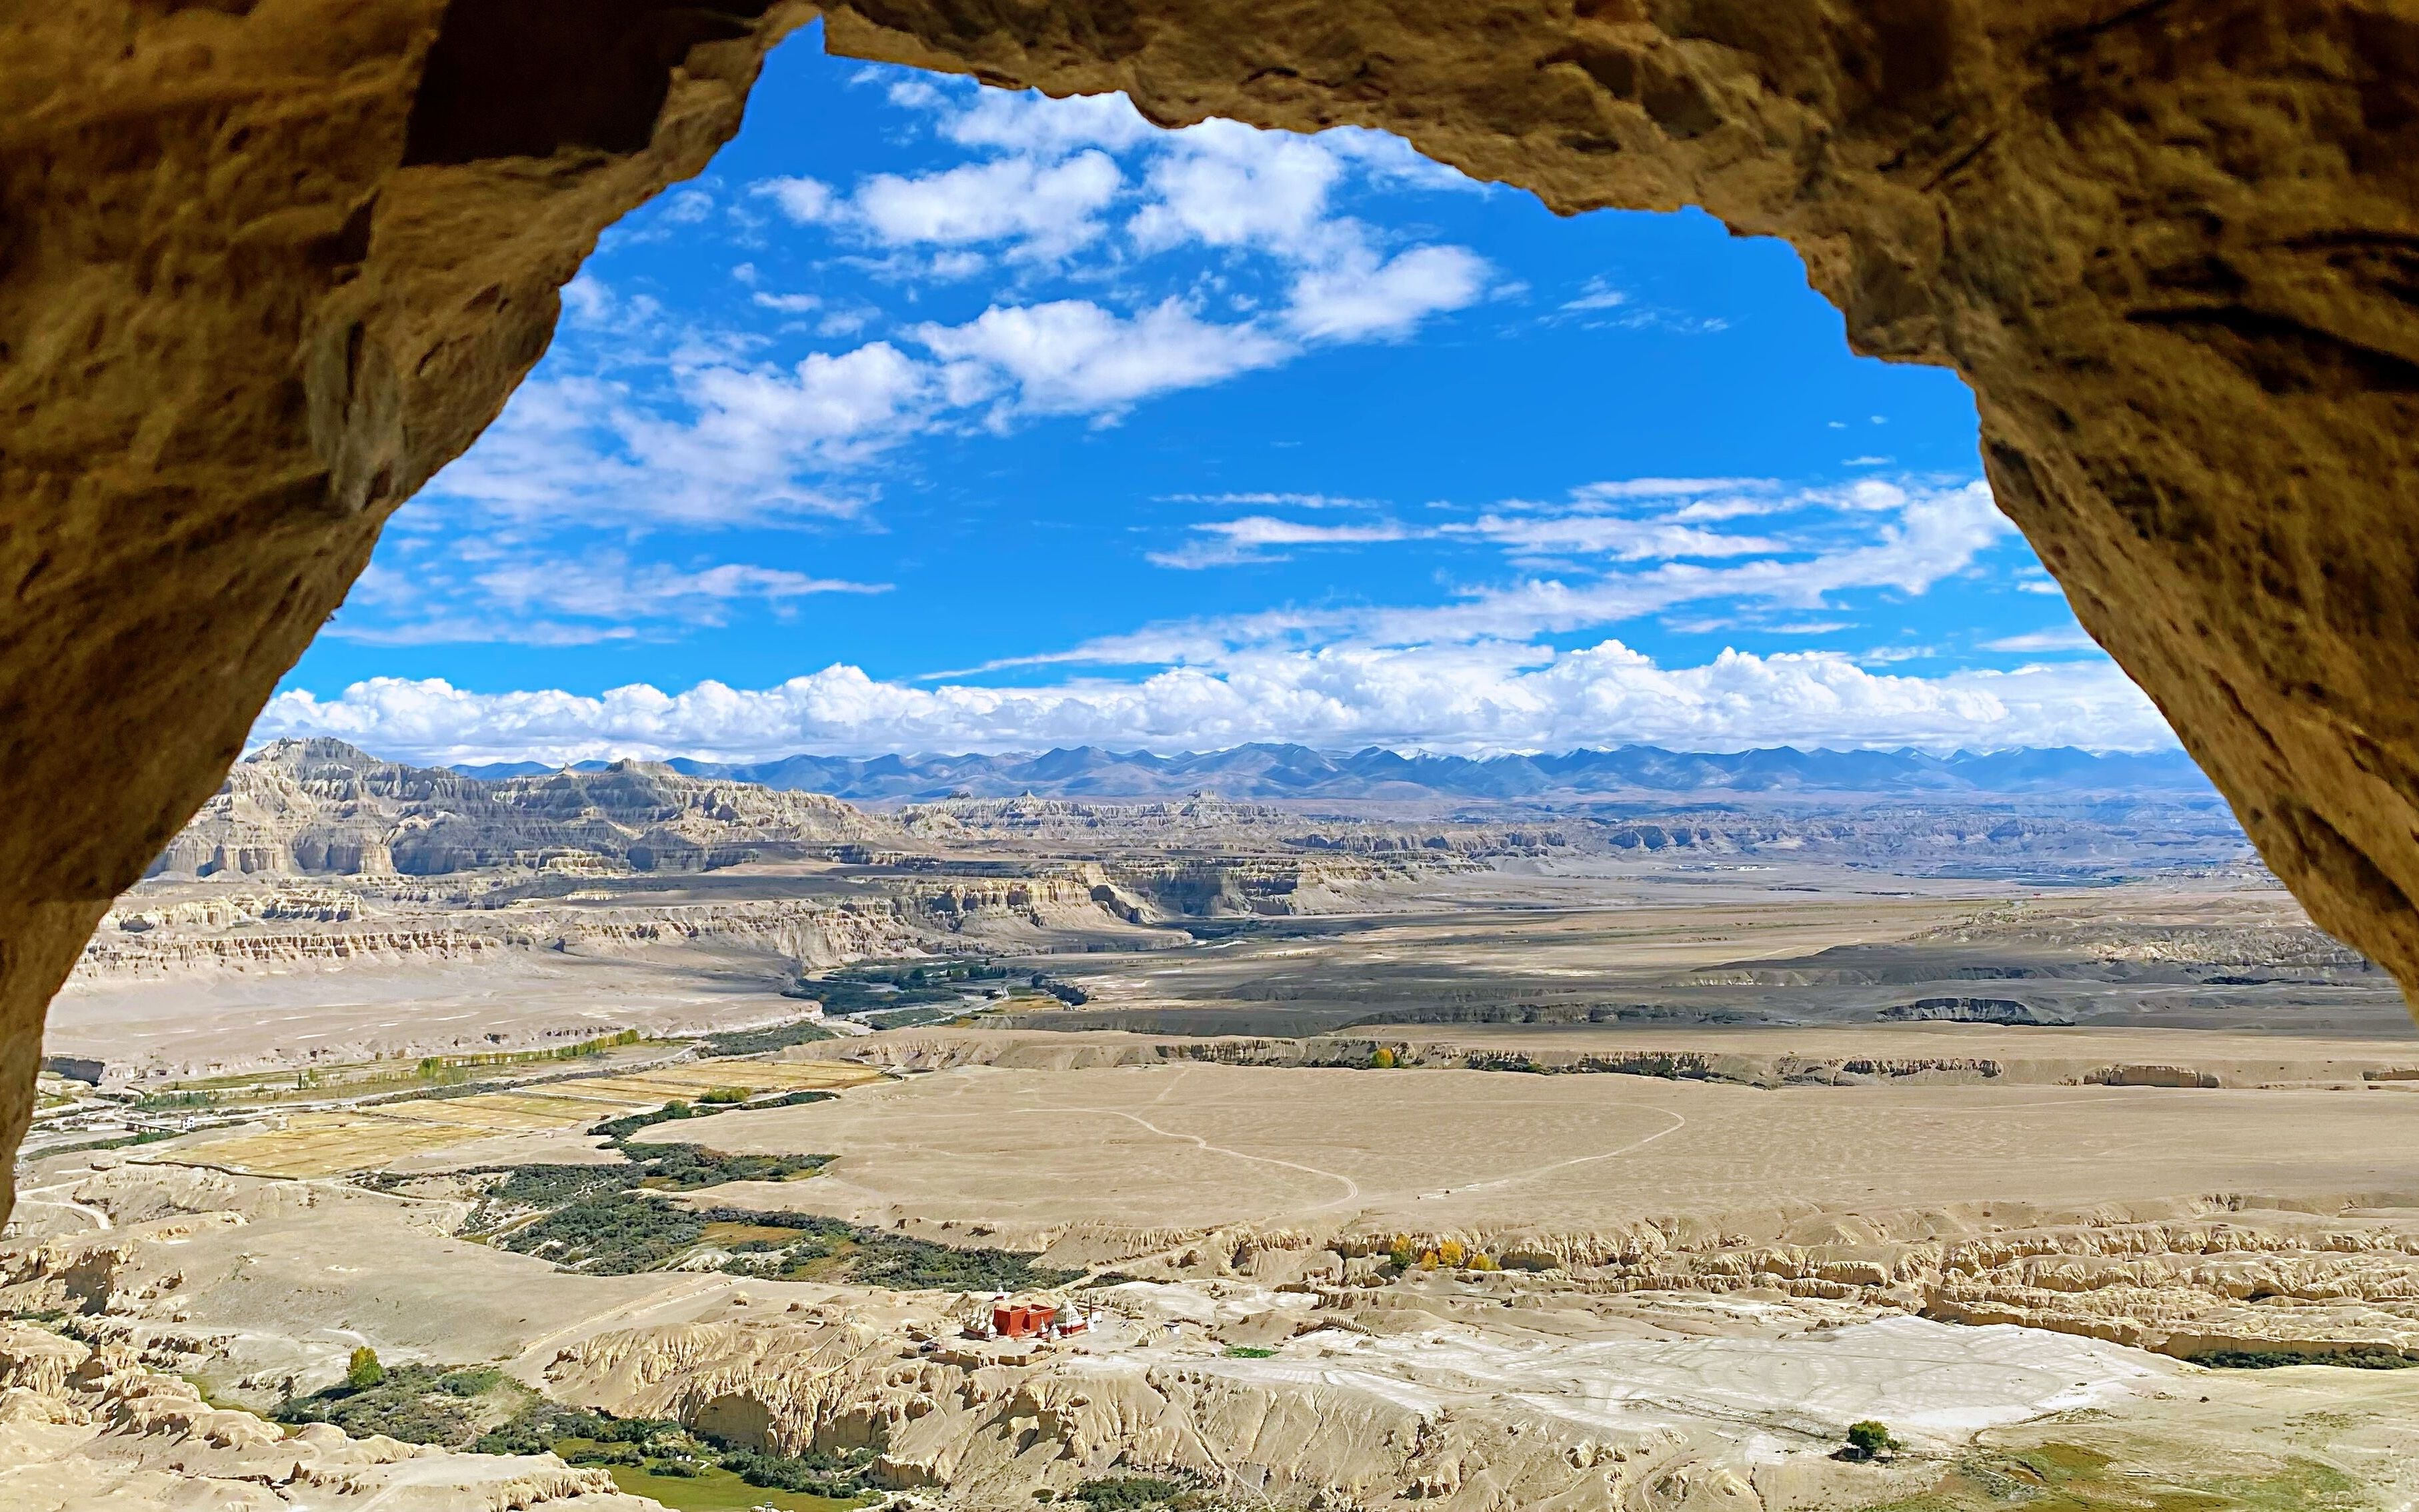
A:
(1264, 771)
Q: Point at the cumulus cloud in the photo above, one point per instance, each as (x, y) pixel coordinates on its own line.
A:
(1356, 297)
(1477, 699)
(1223, 184)
(1033, 123)
(1048, 209)
(1073, 356)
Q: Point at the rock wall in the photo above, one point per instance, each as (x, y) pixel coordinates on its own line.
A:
(269, 265)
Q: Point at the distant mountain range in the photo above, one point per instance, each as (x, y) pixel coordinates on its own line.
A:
(1271, 771)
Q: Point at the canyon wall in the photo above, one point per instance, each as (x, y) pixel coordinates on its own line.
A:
(268, 265)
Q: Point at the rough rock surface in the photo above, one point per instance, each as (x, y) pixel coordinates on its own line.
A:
(270, 265)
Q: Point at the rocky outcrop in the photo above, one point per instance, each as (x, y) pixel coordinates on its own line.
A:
(324, 806)
(272, 265)
(84, 1427)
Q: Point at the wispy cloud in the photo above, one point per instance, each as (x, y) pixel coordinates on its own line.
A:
(2061, 637)
(1235, 540)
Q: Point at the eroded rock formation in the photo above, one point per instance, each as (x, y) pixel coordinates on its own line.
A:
(93, 1426)
(324, 806)
(269, 265)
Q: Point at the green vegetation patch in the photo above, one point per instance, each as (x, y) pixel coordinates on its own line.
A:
(720, 1100)
(935, 990)
(799, 1246)
(2373, 1358)
(1128, 1493)
(616, 1232)
(2065, 1478)
(764, 1041)
(683, 1468)
(416, 1403)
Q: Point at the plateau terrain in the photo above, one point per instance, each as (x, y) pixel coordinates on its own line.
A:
(654, 1135)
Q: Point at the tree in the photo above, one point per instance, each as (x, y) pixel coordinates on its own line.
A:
(1483, 1263)
(364, 1371)
(1402, 1254)
(1383, 1060)
(1450, 1254)
(1869, 1439)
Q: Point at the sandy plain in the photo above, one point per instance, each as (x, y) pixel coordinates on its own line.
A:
(1029, 1153)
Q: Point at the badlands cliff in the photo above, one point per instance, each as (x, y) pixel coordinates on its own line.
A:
(325, 807)
(83, 1426)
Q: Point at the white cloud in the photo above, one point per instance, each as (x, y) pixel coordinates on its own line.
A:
(2066, 638)
(686, 207)
(1223, 184)
(1050, 210)
(756, 429)
(1357, 298)
(1235, 541)
(487, 591)
(1625, 540)
(1035, 124)
(1938, 533)
(1471, 699)
(1297, 500)
(1071, 356)
(1596, 294)
(1669, 488)
(789, 304)
(806, 201)
(609, 586)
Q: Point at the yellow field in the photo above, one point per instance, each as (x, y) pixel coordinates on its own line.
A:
(327, 1144)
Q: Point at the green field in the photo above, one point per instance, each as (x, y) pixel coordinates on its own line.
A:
(720, 1490)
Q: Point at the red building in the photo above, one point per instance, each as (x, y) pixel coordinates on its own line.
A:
(1041, 1320)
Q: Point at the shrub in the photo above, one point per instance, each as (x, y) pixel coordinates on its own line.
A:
(1870, 1439)
(1450, 1254)
(1125, 1493)
(1384, 1059)
(363, 1372)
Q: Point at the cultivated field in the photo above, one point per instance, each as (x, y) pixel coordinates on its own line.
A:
(379, 1139)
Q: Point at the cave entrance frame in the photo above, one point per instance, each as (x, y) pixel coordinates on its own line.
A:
(270, 264)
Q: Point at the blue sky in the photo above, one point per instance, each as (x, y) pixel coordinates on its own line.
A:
(936, 418)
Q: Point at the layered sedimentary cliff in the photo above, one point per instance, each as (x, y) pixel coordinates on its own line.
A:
(325, 807)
